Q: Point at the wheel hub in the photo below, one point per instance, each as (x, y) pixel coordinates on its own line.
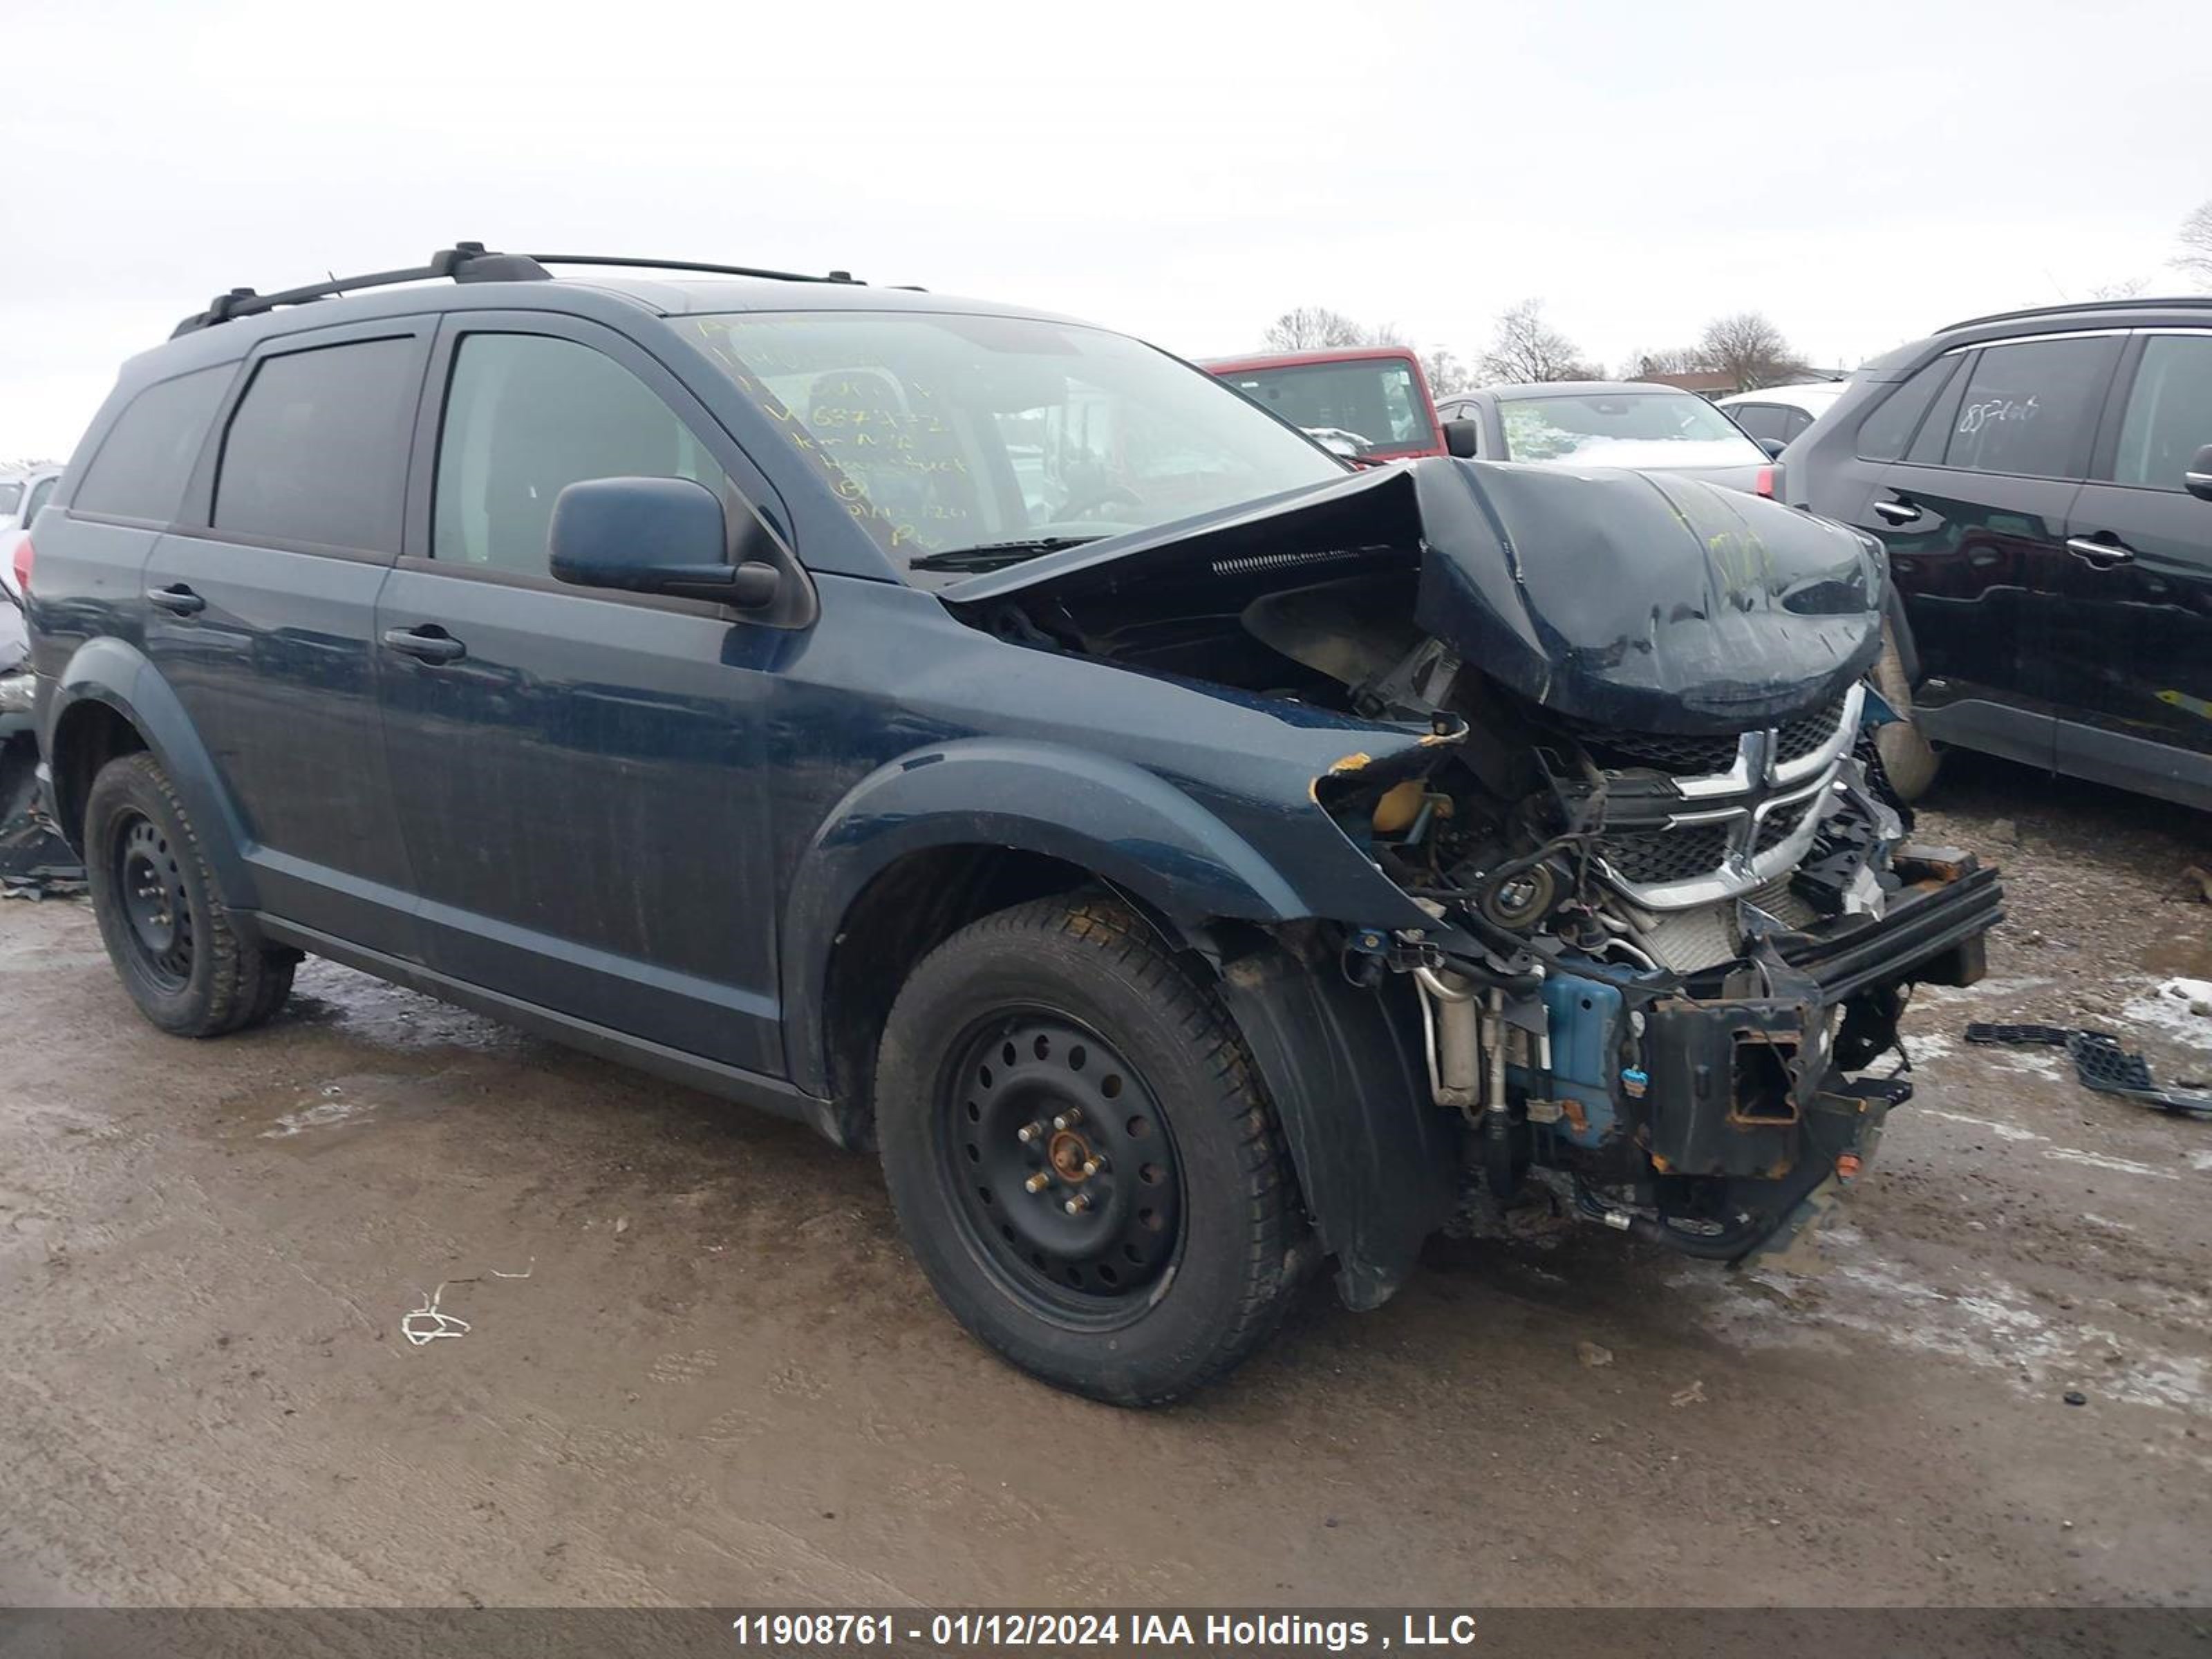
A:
(150, 878)
(1062, 1160)
(1069, 1154)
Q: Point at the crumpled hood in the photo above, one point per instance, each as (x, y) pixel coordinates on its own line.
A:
(1638, 601)
(1645, 601)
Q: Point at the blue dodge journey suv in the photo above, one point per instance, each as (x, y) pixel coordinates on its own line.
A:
(1190, 863)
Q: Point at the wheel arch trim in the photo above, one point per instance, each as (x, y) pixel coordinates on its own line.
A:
(116, 675)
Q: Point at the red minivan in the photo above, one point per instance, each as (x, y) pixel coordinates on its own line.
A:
(1364, 403)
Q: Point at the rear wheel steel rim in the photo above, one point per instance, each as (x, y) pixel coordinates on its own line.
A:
(1061, 1166)
(149, 877)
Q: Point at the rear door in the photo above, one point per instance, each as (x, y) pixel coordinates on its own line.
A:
(261, 600)
(2131, 641)
(579, 772)
(1973, 513)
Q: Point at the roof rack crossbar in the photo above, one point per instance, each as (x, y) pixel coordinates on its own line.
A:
(690, 264)
(464, 262)
(2140, 302)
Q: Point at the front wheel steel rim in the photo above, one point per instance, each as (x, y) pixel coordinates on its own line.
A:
(1061, 1166)
(150, 878)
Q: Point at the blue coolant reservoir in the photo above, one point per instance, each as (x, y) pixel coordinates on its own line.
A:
(1585, 1022)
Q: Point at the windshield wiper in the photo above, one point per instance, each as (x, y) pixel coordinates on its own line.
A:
(992, 556)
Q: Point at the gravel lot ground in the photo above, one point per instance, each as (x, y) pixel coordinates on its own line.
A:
(719, 1379)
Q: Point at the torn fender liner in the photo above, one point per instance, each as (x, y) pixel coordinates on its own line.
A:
(1378, 1168)
(1644, 602)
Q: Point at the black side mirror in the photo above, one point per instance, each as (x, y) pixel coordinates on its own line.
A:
(2197, 480)
(653, 535)
(1463, 439)
(1773, 446)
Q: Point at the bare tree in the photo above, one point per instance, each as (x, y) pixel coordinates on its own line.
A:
(1750, 350)
(1313, 328)
(1669, 360)
(1524, 348)
(1445, 373)
(2196, 239)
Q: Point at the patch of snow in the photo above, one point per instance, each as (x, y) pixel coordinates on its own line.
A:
(1994, 1327)
(2042, 1062)
(2002, 1131)
(2169, 1008)
(1921, 1047)
(2104, 1161)
(323, 1114)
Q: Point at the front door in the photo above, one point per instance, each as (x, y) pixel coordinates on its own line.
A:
(260, 608)
(1974, 515)
(2131, 657)
(579, 774)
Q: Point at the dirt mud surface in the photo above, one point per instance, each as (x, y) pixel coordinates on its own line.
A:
(698, 1367)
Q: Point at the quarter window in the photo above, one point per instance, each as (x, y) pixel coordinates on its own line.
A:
(316, 450)
(1884, 435)
(2169, 414)
(140, 469)
(529, 415)
(2029, 409)
(1761, 420)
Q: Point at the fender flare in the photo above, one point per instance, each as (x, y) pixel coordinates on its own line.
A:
(112, 672)
(1128, 826)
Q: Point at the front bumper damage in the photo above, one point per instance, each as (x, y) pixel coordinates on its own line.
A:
(1705, 1116)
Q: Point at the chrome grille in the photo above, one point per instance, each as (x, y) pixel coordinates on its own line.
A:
(1802, 736)
(1749, 803)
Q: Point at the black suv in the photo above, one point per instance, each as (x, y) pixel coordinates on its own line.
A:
(1189, 861)
(2043, 482)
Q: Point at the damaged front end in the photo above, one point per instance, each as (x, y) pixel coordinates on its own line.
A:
(1673, 907)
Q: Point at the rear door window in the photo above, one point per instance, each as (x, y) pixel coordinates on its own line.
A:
(2169, 413)
(528, 414)
(140, 470)
(2029, 409)
(316, 453)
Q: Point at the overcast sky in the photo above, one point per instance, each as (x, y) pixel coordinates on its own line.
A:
(1861, 173)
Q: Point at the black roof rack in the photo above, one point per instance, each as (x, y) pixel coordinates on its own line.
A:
(2148, 303)
(464, 262)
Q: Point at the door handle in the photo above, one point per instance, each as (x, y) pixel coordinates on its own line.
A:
(176, 598)
(2103, 555)
(1897, 512)
(429, 643)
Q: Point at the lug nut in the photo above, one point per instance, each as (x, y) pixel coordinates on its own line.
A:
(1028, 1133)
(1077, 1205)
(1094, 1163)
(1068, 1119)
(1038, 1182)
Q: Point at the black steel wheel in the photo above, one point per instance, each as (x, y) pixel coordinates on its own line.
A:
(151, 880)
(1066, 1171)
(172, 943)
(1081, 1156)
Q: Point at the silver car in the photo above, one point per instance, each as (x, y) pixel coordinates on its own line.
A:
(1624, 423)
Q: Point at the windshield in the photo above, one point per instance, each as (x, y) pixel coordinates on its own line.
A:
(1624, 428)
(1375, 399)
(11, 494)
(942, 432)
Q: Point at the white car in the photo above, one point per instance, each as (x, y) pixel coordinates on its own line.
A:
(21, 495)
(1778, 414)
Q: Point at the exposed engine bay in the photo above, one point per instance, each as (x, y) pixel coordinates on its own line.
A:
(1676, 904)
